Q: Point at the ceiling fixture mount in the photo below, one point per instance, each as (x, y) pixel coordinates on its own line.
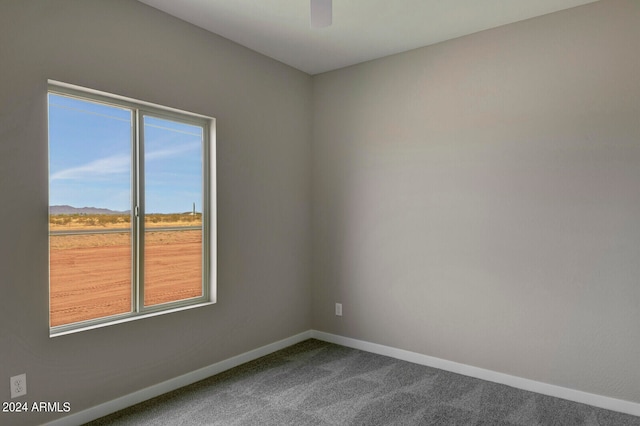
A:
(321, 13)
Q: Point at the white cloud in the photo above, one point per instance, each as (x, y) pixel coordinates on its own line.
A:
(102, 167)
(171, 151)
(117, 164)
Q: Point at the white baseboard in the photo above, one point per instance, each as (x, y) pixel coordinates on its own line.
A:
(605, 402)
(175, 383)
(112, 406)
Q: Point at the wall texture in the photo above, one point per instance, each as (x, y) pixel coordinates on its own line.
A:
(478, 200)
(263, 116)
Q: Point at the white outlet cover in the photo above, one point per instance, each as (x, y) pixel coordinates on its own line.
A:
(18, 385)
(339, 309)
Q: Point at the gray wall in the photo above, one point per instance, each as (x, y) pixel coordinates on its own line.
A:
(263, 115)
(479, 200)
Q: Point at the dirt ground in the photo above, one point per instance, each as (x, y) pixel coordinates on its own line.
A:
(90, 275)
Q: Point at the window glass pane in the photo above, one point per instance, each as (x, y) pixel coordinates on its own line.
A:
(173, 176)
(90, 251)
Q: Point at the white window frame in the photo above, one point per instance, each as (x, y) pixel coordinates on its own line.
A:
(140, 109)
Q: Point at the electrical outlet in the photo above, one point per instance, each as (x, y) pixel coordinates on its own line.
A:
(339, 309)
(18, 385)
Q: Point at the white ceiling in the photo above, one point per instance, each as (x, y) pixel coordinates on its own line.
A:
(362, 29)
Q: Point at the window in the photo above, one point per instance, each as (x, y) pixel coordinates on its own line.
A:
(131, 209)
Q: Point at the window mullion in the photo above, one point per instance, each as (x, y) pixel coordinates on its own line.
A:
(139, 213)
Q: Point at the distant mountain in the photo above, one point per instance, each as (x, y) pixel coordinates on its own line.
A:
(53, 210)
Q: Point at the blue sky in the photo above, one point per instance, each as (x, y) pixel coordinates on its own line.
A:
(90, 147)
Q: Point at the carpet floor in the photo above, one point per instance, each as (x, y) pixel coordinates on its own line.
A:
(319, 383)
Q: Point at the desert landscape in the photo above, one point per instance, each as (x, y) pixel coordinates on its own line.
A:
(90, 272)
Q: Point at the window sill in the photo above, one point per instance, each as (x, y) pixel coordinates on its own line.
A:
(128, 318)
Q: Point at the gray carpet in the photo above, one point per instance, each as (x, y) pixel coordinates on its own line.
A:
(318, 383)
